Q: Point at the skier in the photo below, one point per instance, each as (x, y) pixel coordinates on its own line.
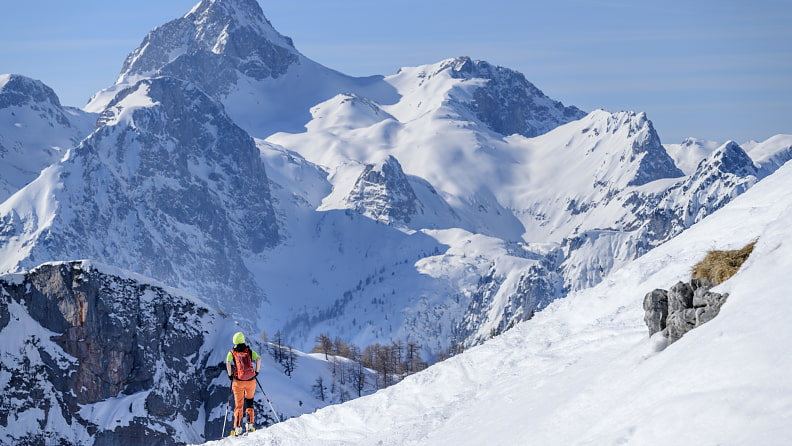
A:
(241, 372)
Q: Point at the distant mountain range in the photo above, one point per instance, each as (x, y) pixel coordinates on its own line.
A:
(441, 204)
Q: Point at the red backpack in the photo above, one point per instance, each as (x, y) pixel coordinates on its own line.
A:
(243, 365)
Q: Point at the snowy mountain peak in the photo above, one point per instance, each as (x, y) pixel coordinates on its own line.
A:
(507, 102)
(644, 152)
(233, 16)
(234, 29)
(346, 110)
(35, 130)
(213, 46)
(655, 162)
(772, 153)
(123, 107)
(690, 152)
(731, 158)
(16, 90)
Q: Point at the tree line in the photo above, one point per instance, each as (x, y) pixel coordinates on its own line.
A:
(354, 370)
(391, 362)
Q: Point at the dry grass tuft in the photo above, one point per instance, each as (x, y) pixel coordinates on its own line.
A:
(718, 266)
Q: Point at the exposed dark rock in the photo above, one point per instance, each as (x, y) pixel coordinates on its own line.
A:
(655, 305)
(683, 308)
(679, 322)
(89, 337)
(215, 42)
(536, 287)
(680, 297)
(183, 195)
(655, 163)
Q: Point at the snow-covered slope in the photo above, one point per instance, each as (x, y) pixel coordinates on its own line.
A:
(768, 155)
(772, 153)
(35, 130)
(690, 152)
(540, 215)
(585, 372)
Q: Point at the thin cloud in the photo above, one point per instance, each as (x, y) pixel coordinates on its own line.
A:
(23, 46)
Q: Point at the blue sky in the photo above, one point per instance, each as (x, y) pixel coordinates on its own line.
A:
(709, 69)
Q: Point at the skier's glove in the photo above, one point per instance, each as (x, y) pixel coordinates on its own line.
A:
(231, 377)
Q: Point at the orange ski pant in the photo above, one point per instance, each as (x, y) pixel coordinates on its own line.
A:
(243, 390)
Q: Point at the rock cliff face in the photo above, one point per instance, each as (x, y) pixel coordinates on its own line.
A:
(95, 358)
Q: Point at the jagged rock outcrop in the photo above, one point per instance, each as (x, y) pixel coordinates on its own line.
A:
(682, 308)
(383, 192)
(654, 161)
(95, 358)
(656, 307)
(654, 217)
(717, 179)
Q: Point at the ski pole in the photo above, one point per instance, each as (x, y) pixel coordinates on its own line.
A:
(228, 403)
(268, 400)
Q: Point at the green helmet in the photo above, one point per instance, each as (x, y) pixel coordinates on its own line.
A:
(239, 338)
